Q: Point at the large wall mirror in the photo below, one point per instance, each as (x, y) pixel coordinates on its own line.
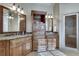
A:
(11, 21)
(49, 24)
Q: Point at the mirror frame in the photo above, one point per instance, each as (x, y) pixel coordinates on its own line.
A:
(1, 21)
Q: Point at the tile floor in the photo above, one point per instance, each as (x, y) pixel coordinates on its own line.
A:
(47, 53)
(61, 52)
(70, 51)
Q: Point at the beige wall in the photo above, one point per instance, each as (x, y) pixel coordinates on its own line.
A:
(56, 16)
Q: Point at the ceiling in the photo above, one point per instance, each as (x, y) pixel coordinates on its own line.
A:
(27, 6)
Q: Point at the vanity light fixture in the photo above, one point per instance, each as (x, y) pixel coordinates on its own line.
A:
(10, 17)
(18, 9)
(48, 16)
(14, 7)
(22, 12)
(51, 16)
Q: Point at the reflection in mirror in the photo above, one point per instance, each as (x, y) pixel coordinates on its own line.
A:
(49, 24)
(5, 20)
(10, 21)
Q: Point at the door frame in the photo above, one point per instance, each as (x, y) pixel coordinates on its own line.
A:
(77, 30)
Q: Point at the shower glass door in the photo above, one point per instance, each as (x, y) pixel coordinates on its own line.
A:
(70, 31)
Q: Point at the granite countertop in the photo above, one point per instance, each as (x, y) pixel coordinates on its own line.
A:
(14, 36)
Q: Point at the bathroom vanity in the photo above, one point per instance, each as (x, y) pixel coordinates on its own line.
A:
(18, 45)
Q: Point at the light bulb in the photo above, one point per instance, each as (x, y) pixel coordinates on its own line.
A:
(18, 9)
(9, 17)
(22, 12)
(46, 16)
(14, 7)
(49, 16)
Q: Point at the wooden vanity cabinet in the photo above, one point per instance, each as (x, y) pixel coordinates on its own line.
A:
(27, 45)
(16, 47)
(4, 48)
(2, 51)
(57, 40)
(35, 45)
(7, 48)
(21, 46)
(16, 51)
(53, 41)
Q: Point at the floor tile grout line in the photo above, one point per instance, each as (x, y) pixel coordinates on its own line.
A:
(47, 51)
(51, 53)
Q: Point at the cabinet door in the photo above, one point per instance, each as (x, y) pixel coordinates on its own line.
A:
(57, 41)
(35, 44)
(16, 47)
(2, 48)
(27, 46)
(13, 51)
(7, 47)
(2, 51)
(51, 44)
(16, 51)
(19, 50)
(24, 50)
